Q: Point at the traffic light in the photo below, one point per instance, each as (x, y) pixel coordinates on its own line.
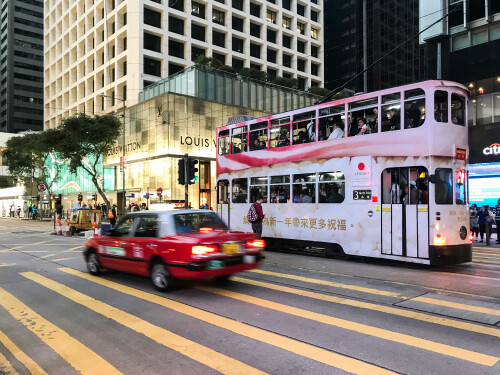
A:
(181, 179)
(94, 197)
(80, 197)
(192, 177)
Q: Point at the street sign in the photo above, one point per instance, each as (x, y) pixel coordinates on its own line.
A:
(159, 191)
(42, 186)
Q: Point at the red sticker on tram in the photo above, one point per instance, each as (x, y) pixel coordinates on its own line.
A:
(361, 166)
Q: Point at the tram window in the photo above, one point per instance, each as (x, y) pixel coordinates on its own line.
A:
(331, 187)
(280, 189)
(441, 106)
(331, 127)
(414, 108)
(336, 109)
(457, 109)
(279, 136)
(224, 142)
(391, 112)
(363, 117)
(304, 188)
(258, 125)
(258, 140)
(258, 187)
(239, 140)
(416, 191)
(443, 186)
(460, 187)
(304, 127)
(240, 190)
(223, 191)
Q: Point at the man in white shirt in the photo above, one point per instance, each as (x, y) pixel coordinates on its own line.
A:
(337, 132)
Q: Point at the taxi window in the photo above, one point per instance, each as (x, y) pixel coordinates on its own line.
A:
(124, 226)
(192, 222)
(148, 227)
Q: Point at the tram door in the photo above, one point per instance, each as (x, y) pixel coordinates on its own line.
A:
(223, 201)
(405, 212)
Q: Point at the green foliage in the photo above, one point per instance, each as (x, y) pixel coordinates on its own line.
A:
(254, 74)
(320, 91)
(286, 82)
(203, 61)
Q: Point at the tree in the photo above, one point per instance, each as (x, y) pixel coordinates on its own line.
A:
(203, 61)
(82, 141)
(27, 154)
(320, 91)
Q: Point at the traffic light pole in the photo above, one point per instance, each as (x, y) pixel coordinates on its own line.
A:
(186, 181)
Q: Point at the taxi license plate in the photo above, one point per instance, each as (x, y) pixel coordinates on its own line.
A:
(230, 248)
(215, 264)
(249, 259)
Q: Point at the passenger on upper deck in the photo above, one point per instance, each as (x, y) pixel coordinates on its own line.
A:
(284, 139)
(362, 127)
(255, 145)
(302, 137)
(337, 132)
(412, 115)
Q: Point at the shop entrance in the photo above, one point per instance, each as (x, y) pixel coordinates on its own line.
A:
(205, 187)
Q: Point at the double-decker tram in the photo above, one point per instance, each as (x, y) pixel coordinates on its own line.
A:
(378, 175)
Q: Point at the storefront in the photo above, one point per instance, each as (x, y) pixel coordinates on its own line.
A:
(484, 164)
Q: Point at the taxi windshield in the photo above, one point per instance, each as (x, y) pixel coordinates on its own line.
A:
(192, 222)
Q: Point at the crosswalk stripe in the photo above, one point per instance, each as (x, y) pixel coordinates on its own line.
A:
(6, 367)
(385, 334)
(32, 367)
(61, 259)
(372, 306)
(331, 283)
(6, 264)
(484, 261)
(72, 351)
(461, 306)
(327, 357)
(191, 349)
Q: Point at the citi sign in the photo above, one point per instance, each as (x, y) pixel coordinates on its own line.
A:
(493, 149)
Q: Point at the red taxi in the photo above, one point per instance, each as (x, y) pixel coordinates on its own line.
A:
(168, 245)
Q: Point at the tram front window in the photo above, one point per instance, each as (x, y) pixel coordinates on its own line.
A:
(443, 186)
(460, 187)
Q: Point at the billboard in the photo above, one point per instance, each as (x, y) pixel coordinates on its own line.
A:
(484, 190)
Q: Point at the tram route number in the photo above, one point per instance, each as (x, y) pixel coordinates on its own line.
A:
(361, 194)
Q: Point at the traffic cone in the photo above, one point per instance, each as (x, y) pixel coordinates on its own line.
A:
(96, 233)
(67, 233)
(59, 228)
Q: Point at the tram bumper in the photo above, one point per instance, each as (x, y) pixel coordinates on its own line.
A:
(451, 254)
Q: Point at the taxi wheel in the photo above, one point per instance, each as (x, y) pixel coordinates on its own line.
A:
(93, 264)
(222, 279)
(160, 277)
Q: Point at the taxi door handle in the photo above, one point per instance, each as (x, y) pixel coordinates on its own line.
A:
(152, 245)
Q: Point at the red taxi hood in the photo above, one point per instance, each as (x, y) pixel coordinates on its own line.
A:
(215, 237)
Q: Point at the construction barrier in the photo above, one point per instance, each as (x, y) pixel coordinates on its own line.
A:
(94, 225)
(67, 233)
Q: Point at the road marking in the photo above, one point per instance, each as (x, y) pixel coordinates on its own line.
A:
(191, 349)
(7, 264)
(462, 275)
(61, 259)
(75, 353)
(6, 251)
(35, 251)
(32, 367)
(475, 260)
(47, 256)
(455, 305)
(72, 249)
(305, 350)
(330, 283)
(372, 306)
(6, 367)
(452, 351)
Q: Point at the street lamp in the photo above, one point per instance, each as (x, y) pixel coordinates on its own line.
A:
(123, 151)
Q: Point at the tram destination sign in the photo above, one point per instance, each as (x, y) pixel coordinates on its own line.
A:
(364, 195)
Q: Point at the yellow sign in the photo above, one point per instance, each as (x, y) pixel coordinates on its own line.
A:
(423, 210)
(377, 208)
(386, 209)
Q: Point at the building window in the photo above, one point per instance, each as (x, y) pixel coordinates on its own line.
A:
(255, 10)
(255, 30)
(176, 49)
(287, 23)
(286, 4)
(301, 65)
(176, 25)
(255, 66)
(271, 36)
(198, 9)
(255, 50)
(218, 17)
(301, 10)
(315, 69)
(314, 16)
(174, 68)
(124, 68)
(314, 33)
(197, 32)
(237, 64)
(152, 67)
(301, 46)
(219, 39)
(176, 4)
(314, 51)
(237, 45)
(301, 83)
(271, 16)
(271, 55)
(287, 41)
(152, 18)
(287, 60)
(219, 57)
(195, 52)
(301, 28)
(237, 24)
(152, 42)
(238, 4)
(125, 43)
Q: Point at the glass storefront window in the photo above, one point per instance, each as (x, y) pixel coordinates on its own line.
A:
(483, 109)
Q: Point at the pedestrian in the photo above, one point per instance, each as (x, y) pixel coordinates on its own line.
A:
(12, 210)
(497, 219)
(112, 215)
(25, 210)
(256, 215)
(489, 221)
(34, 212)
(30, 211)
(474, 224)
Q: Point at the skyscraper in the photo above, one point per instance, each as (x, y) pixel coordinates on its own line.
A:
(21, 66)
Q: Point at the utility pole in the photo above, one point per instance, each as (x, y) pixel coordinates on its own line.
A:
(186, 181)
